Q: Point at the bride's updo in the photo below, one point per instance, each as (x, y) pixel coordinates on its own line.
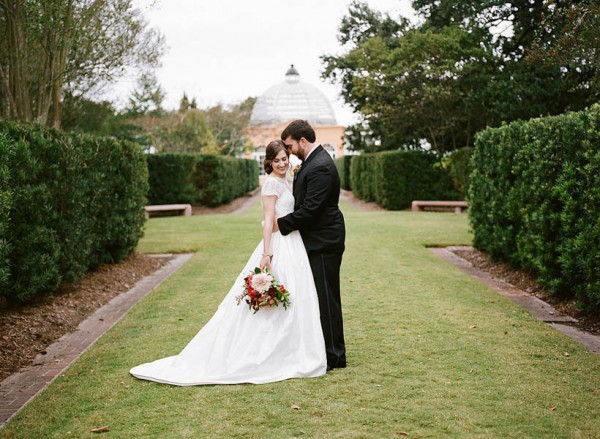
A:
(274, 148)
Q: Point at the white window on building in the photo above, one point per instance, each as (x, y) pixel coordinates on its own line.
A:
(259, 156)
(330, 149)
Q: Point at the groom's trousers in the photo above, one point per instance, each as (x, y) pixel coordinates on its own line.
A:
(326, 272)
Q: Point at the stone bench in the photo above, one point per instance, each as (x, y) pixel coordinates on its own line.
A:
(457, 205)
(186, 209)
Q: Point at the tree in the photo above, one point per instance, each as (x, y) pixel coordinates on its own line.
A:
(517, 28)
(227, 126)
(85, 115)
(147, 97)
(441, 81)
(75, 46)
(184, 103)
(576, 43)
(189, 133)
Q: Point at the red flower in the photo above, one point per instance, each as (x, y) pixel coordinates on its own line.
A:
(275, 295)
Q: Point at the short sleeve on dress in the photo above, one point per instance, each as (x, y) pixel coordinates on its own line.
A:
(270, 187)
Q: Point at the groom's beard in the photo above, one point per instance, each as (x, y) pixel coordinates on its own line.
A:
(300, 154)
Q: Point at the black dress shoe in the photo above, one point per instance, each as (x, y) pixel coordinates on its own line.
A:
(329, 368)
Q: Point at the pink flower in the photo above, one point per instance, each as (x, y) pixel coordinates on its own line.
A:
(261, 282)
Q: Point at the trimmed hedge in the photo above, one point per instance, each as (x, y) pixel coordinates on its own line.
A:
(5, 204)
(210, 180)
(393, 179)
(72, 202)
(458, 168)
(343, 167)
(535, 200)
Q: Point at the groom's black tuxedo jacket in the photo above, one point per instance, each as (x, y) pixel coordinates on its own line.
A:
(316, 213)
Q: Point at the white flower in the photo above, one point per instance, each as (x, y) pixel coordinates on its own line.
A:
(261, 282)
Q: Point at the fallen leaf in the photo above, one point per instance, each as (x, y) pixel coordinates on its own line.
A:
(378, 385)
(552, 408)
(472, 326)
(100, 429)
(402, 433)
(295, 407)
(566, 354)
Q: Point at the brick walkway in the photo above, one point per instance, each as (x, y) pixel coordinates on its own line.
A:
(20, 388)
(538, 308)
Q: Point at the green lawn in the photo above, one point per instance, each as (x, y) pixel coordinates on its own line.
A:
(431, 352)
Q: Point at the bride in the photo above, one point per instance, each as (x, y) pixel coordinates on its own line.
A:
(237, 346)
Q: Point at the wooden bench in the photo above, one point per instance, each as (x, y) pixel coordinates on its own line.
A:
(458, 205)
(186, 209)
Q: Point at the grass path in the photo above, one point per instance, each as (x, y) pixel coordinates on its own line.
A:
(431, 352)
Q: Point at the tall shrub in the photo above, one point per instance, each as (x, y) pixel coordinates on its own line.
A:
(119, 206)
(535, 200)
(394, 179)
(170, 177)
(205, 179)
(457, 166)
(363, 176)
(5, 205)
(343, 167)
(76, 201)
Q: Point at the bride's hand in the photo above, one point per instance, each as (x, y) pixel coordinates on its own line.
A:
(265, 261)
(275, 226)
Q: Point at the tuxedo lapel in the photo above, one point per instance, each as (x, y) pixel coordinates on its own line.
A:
(298, 177)
(312, 155)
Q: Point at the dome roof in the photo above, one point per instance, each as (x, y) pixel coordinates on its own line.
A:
(292, 99)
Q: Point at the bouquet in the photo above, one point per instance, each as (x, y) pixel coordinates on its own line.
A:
(262, 289)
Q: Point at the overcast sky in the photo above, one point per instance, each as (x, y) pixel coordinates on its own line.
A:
(226, 50)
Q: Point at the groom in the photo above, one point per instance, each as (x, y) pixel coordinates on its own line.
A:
(317, 216)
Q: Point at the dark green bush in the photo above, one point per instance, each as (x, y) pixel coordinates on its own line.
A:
(75, 201)
(394, 179)
(170, 177)
(363, 176)
(204, 179)
(5, 204)
(535, 200)
(457, 166)
(343, 167)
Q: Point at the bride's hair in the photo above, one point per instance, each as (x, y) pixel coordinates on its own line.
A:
(274, 148)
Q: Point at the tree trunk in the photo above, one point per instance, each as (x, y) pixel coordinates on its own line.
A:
(60, 60)
(17, 75)
(56, 39)
(37, 58)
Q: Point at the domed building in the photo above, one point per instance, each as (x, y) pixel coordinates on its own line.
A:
(289, 100)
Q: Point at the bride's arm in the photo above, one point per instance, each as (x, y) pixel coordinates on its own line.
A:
(269, 215)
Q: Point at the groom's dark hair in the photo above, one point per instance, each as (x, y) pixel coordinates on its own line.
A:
(298, 129)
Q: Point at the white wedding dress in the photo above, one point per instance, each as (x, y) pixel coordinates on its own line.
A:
(237, 346)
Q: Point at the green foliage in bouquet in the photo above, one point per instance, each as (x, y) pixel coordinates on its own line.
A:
(72, 202)
(535, 200)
